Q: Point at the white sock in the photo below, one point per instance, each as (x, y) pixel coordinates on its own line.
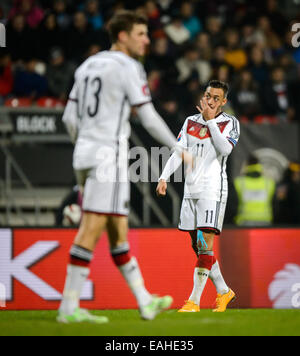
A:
(217, 279)
(76, 277)
(132, 274)
(200, 279)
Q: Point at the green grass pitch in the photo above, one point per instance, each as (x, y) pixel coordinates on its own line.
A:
(233, 322)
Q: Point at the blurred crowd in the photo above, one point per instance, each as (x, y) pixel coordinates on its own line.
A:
(246, 43)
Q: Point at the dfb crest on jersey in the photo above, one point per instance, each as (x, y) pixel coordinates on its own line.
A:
(203, 131)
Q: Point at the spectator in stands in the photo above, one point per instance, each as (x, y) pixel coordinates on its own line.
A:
(6, 76)
(32, 13)
(59, 75)
(153, 15)
(258, 66)
(169, 108)
(93, 14)
(266, 37)
(21, 40)
(214, 28)
(190, 21)
(203, 45)
(288, 64)
(62, 17)
(80, 36)
(277, 96)
(235, 55)
(189, 93)
(159, 56)
(275, 16)
(176, 31)
(255, 194)
(245, 96)
(288, 196)
(218, 61)
(191, 62)
(50, 35)
(28, 83)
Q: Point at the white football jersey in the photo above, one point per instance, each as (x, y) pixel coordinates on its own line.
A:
(106, 86)
(208, 179)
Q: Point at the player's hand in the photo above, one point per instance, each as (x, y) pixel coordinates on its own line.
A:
(161, 189)
(207, 112)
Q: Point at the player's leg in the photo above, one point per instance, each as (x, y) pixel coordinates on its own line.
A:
(203, 265)
(188, 223)
(81, 254)
(215, 274)
(91, 227)
(224, 293)
(149, 305)
(194, 241)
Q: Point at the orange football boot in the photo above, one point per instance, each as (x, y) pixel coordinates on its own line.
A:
(189, 307)
(223, 300)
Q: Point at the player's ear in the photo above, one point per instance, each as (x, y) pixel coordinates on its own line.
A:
(122, 36)
(224, 101)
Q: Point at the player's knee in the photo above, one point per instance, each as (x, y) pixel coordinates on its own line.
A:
(121, 254)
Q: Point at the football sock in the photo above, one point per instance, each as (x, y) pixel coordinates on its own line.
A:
(216, 277)
(77, 273)
(130, 270)
(201, 273)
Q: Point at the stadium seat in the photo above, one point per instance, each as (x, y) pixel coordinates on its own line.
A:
(49, 102)
(263, 119)
(18, 102)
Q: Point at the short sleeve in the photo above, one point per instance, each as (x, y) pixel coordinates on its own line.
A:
(136, 85)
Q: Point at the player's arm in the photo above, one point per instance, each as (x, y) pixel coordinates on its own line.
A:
(156, 126)
(173, 163)
(171, 166)
(70, 116)
(221, 141)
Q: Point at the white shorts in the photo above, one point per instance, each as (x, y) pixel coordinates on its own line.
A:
(199, 214)
(111, 198)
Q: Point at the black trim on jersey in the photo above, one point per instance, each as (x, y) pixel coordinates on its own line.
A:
(208, 229)
(115, 198)
(234, 122)
(143, 103)
(74, 99)
(217, 213)
(221, 195)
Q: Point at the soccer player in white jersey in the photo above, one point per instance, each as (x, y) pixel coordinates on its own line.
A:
(106, 86)
(210, 136)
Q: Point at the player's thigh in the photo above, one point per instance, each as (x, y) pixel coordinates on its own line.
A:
(106, 197)
(210, 216)
(188, 218)
(117, 229)
(91, 228)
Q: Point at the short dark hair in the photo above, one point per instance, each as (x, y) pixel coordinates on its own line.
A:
(123, 21)
(219, 85)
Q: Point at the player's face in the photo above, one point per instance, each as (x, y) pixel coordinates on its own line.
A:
(215, 98)
(137, 40)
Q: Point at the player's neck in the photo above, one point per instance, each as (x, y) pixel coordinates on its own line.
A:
(120, 48)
